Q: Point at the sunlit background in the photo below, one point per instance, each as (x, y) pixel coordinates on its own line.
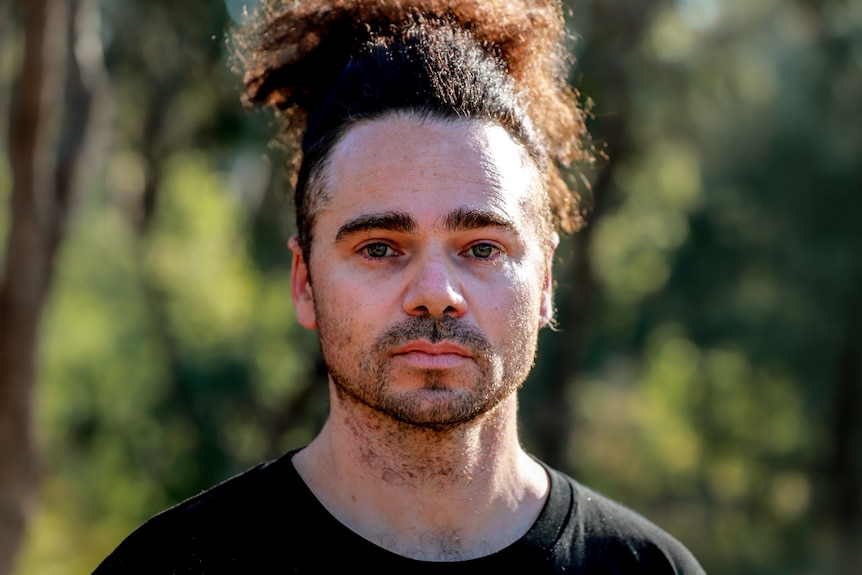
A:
(706, 368)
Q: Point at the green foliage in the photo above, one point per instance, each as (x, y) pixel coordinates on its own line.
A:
(728, 281)
(723, 285)
(163, 359)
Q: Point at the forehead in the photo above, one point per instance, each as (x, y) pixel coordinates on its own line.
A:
(408, 163)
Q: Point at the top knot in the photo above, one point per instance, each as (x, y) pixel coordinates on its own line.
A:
(295, 57)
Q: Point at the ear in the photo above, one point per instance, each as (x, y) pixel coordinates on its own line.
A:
(546, 311)
(300, 288)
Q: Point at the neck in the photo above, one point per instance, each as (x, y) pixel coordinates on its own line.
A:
(445, 491)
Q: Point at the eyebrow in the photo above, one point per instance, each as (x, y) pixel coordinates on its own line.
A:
(459, 220)
(390, 221)
(465, 219)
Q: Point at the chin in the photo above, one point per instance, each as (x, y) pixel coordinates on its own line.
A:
(436, 406)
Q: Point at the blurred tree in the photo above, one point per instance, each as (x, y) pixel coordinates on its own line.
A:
(717, 386)
(706, 367)
(171, 359)
(50, 116)
(608, 36)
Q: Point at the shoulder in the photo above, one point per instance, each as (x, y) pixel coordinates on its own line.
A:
(606, 535)
(206, 529)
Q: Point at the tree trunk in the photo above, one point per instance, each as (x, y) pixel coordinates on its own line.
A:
(845, 467)
(617, 30)
(50, 112)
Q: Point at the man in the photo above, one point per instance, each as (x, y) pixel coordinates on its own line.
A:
(428, 204)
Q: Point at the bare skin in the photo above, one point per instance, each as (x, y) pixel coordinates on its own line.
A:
(420, 454)
(436, 497)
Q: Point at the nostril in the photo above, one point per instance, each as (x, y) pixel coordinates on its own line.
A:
(433, 288)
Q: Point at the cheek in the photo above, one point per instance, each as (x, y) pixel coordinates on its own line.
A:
(512, 304)
(349, 310)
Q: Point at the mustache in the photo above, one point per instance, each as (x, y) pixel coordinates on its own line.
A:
(434, 329)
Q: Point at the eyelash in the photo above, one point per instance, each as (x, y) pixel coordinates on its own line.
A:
(365, 250)
(494, 250)
(389, 251)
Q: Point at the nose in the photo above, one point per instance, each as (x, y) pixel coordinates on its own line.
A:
(434, 288)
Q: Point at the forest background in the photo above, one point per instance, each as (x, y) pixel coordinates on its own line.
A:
(706, 371)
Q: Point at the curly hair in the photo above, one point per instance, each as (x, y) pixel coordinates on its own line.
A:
(324, 65)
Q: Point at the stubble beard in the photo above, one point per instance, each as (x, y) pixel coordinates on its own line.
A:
(446, 398)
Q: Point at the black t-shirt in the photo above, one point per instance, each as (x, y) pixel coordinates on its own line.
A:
(266, 520)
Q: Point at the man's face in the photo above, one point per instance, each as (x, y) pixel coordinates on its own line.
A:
(428, 280)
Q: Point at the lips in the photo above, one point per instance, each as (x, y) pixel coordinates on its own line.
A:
(427, 355)
(434, 342)
(428, 348)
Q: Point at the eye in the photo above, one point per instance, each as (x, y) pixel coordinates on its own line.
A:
(483, 251)
(378, 250)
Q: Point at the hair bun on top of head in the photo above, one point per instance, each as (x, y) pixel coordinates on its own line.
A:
(294, 54)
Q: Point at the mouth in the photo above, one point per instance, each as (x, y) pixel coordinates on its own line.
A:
(426, 355)
(428, 348)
